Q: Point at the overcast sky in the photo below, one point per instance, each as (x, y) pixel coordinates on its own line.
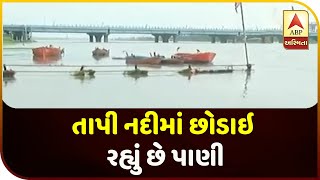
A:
(262, 15)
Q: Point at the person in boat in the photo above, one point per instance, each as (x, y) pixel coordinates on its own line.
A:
(154, 54)
(82, 67)
(50, 46)
(5, 68)
(178, 49)
(198, 50)
(62, 51)
(193, 71)
(126, 53)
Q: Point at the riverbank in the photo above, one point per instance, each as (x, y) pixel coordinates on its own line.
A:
(7, 40)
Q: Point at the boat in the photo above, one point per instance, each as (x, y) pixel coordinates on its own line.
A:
(142, 60)
(8, 73)
(47, 51)
(136, 74)
(89, 72)
(192, 71)
(205, 57)
(101, 52)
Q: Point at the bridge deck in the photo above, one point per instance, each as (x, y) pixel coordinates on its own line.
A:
(142, 30)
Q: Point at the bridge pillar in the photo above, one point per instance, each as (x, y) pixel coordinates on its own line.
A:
(234, 40)
(17, 36)
(165, 37)
(213, 39)
(14, 37)
(156, 38)
(98, 37)
(25, 36)
(90, 37)
(28, 36)
(272, 39)
(106, 38)
(174, 38)
(223, 40)
(280, 39)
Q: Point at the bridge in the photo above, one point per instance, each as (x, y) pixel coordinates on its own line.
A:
(24, 32)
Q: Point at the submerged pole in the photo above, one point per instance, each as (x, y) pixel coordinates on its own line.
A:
(245, 38)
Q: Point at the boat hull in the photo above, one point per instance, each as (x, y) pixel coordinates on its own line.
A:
(171, 61)
(205, 57)
(118, 58)
(101, 52)
(8, 73)
(135, 60)
(47, 52)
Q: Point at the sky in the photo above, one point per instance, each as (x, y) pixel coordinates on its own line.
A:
(216, 15)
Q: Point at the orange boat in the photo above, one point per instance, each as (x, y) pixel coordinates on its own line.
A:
(47, 51)
(205, 57)
(143, 60)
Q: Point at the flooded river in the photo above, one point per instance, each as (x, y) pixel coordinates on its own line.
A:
(280, 78)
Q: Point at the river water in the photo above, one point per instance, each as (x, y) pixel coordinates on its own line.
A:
(280, 78)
